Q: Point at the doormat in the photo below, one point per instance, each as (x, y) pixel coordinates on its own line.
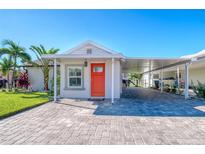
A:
(96, 99)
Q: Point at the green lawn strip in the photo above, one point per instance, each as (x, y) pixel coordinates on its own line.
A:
(12, 103)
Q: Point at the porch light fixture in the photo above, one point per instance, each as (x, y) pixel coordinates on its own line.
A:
(85, 63)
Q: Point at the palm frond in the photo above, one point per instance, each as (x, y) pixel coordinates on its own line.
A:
(53, 51)
(6, 65)
(25, 57)
(43, 49)
(9, 43)
(36, 49)
(4, 51)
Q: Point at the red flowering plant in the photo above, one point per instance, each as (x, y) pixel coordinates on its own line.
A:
(23, 81)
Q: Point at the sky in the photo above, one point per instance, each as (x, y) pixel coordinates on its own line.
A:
(135, 33)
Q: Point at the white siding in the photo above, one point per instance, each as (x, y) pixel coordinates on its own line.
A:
(35, 75)
(197, 74)
(85, 93)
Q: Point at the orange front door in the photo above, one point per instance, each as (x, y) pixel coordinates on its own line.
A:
(98, 79)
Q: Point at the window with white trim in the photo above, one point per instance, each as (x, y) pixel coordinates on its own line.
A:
(75, 77)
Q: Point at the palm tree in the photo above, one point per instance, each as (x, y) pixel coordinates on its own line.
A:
(39, 51)
(16, 53)
(6, 65)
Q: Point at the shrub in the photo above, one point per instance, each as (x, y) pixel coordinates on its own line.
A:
(199, 89)
(3, 90)
(174, 90)
(23, 81)
(167, 88)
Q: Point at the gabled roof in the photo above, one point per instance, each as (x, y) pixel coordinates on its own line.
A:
(91, 43)
(98, 51)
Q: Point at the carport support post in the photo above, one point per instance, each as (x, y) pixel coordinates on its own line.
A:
(186, 92)
(55, 81)
(112, 81)
(161, 76)
(178, 86)
(149, 78)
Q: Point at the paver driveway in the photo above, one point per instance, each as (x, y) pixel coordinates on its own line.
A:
(86, 122)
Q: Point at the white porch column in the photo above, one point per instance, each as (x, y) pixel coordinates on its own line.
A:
(55, 81)
(149, 75)
(161, 76)
(149, 78)
(178, 83)
(186, 90)
(112, 80)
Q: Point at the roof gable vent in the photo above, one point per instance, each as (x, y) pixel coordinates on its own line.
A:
(89, 51)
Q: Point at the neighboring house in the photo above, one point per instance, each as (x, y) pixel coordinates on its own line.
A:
(92, 70)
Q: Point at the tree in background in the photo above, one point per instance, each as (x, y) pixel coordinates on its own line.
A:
(135, 77)
(6, 65)
(44, 63)
(16, 53)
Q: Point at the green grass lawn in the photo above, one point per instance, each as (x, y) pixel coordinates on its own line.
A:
(11, 102)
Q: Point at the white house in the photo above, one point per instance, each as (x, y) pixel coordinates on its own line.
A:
(90, 70)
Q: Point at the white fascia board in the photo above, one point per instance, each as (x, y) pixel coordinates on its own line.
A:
(57, 56)
(155, 58)
(195, 55)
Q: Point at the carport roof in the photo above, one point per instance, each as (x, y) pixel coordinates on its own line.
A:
(144, 65)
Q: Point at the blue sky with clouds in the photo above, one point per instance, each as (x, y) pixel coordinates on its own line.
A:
(136, 33)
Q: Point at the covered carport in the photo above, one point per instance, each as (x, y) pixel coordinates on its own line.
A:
(150, 67)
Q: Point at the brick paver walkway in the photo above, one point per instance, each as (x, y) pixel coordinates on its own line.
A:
(76, 122)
